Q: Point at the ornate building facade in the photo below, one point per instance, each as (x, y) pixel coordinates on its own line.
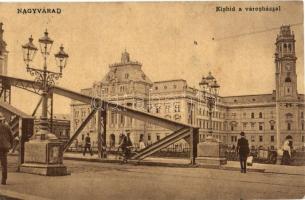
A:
(259, 116)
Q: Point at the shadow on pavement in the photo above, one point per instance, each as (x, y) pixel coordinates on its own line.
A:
(3, 197)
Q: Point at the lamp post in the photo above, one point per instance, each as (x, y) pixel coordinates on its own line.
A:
(44, 147)
(44, 77)
(210, 89)
(211, 151)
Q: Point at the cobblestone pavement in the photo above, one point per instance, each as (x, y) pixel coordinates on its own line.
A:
(90, 180)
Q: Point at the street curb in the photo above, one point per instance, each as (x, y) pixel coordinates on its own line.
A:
(18, 195)
(160, 164)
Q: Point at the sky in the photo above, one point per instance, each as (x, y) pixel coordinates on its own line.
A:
(159, 35)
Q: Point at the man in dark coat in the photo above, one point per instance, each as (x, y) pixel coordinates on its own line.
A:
(243, 150)
(87, 145)
(6, 143)
(128, 144)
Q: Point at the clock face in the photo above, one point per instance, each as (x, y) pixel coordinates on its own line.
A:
(288, 67)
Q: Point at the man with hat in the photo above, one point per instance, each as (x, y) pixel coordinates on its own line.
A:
(6, 142)
(243, 150)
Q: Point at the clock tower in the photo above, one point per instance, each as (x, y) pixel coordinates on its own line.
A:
(285, 63)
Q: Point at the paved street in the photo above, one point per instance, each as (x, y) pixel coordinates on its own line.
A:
(91, 180)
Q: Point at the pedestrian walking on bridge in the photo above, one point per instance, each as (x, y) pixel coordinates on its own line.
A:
(6, 143)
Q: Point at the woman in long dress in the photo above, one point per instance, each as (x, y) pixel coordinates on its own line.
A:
(286, 153)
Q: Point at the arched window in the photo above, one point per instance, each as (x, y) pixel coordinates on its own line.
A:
(260, 115)
(285, 47)
(252, 115)
(287, 80)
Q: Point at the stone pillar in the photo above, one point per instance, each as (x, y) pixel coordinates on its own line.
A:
(211, 153)
(43, 157)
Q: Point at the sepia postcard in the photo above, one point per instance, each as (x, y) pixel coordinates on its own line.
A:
(152, 100)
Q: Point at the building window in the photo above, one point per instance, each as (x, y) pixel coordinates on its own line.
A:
(260, 138)
(271, 115)
(158, 137)
(177, 107)
(260, 127)
(165, 87)
(76, 114)
(272, 138)
(303, 138)
(302, 115)
(122, 88)
(232, 128)
(174, 86)
(158, 108)
(233, 138)
(167, 108)
(233, 115)
(302, 126)
(122, 120)
(244, 115)
(156, 88)
(252, 138)
(288, 126)
(252, 115)
(245, 125)
(177, 117)
(288, 80)
(260, 115)
(252, 125)
(272, 127)
(149, 137)
(126, 76)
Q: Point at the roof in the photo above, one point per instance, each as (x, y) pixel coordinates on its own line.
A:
(173, 80)
(125, 71)
(259, 98)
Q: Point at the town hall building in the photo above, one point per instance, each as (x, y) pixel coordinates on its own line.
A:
(260, 116)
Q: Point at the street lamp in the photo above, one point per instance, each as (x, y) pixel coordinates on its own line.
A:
(211, 151)
(44, 77)
(44, 153)
(210, 89)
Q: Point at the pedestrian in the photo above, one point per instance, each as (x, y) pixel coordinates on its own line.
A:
(243, 151)
(6, 143)
(123, 146)
(129, 144)
(286, 153)
(87, 145)
(141, 143)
